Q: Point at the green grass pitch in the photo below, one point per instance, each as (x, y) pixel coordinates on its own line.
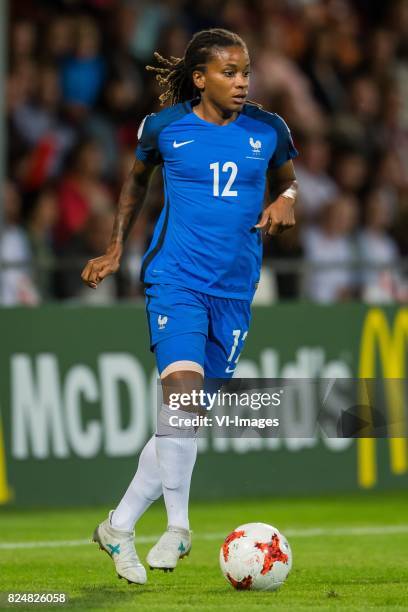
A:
(350, 553)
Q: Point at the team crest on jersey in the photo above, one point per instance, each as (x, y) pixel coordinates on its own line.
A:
(256, 149)
(256, 146)
(162, 320)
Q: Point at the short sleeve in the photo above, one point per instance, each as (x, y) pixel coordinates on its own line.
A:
(285, 149)
(147, 149)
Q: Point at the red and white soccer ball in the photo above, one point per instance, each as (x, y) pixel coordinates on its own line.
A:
(256, 556)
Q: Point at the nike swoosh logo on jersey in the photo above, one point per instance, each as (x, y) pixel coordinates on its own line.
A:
(176, 145)
(229, 370)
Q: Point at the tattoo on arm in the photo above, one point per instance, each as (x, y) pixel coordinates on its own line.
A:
(131, 199)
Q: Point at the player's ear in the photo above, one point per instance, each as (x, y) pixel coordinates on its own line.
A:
(199, 79)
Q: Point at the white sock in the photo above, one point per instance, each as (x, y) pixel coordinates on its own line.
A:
(144, 489)
(176, 457)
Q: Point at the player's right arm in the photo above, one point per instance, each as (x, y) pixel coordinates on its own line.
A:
(131, 200)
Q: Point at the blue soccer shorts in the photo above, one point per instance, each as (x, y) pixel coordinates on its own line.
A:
(193, 326)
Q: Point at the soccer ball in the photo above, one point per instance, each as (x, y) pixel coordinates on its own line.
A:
(256, 556)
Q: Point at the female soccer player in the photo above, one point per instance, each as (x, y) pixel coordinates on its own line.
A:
(202, 267)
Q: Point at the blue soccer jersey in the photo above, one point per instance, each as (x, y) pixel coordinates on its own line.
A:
(214, 183)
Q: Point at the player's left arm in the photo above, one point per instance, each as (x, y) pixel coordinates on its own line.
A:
(280, 214)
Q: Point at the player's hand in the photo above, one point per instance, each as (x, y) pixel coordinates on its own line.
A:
(99, 268)
(278, 216)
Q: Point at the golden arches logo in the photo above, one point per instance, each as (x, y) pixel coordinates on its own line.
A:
(392, 345)
(5, 491)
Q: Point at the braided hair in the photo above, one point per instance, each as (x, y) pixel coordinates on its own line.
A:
(174, 75)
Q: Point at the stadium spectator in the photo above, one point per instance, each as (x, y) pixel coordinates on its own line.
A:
(41, 223)
(16, 285)
(351, 171)
(390, 177)
(277, 74)
(38, 122)
(82, 191)
(59, 38)
(375, 246)
(331, 246)
(83, 72)
(113, 127)
(357, 125)
(320, 66)
(316, 188)
(88, 243)
(23, 40)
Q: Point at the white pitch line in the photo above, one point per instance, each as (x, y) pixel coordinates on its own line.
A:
(290, 533)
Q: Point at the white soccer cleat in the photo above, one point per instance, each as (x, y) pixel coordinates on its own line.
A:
(120, 546)
(174, 544)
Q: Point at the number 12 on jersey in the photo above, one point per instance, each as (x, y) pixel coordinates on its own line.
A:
(227, 166)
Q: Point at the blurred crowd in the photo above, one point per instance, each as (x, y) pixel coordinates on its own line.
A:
(77, 90)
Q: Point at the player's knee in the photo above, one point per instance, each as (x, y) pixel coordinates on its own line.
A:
(182, 384)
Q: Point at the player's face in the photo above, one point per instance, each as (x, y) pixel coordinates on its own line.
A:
(225, 80)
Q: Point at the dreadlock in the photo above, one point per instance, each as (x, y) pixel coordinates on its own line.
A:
(175, 74)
